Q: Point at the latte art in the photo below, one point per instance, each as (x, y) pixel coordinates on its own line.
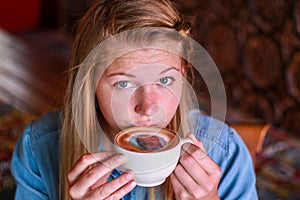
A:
(146, 139)
(148, 142)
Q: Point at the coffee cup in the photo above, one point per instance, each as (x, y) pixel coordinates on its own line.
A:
(151, 152)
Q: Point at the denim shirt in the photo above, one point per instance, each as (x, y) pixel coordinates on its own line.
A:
(35, 161)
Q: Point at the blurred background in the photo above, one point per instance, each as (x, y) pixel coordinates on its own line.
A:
(254, 43)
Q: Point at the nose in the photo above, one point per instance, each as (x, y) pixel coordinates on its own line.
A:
(146, 99)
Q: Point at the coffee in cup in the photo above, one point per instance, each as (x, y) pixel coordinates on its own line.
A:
(147, 139)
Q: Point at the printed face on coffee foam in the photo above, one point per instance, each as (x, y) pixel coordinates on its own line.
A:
(146, 139)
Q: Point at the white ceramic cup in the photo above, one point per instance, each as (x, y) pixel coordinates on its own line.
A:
(151, 152)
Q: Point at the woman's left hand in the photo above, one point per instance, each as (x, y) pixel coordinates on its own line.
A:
(196, 176)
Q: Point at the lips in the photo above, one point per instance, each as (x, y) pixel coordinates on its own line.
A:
(149, 121)
(144, 123)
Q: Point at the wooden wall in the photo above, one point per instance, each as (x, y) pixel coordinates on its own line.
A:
(256, 46)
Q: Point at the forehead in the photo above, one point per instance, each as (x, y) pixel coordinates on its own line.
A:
(139, 58)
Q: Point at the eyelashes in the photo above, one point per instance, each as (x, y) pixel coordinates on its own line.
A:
(166, 80)
(124, 84)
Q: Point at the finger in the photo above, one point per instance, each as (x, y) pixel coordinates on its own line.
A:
(179, 189)
(191, 189)
(200, 157)
(188, 181)
(95, 173)
(85, 181)
(196, 141)
(193, 174)
(100, 181)
(126, 182)
(123, 191)
(114, 189)
(84, 162)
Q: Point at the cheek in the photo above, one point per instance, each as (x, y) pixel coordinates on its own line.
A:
(114, 105)
(104, 97)
(120, 103)
(103, 102)
(172, 96)
(170, 103)
(171, 100)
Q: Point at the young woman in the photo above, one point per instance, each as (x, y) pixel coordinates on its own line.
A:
(130, 66)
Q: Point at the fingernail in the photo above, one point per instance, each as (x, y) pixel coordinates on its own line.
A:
(192, 137)
(129, 175)
(121, 158)
(132, 184)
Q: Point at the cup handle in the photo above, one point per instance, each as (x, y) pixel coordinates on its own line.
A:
(186, 140)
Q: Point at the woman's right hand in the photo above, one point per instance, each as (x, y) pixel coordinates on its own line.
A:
(88, 177)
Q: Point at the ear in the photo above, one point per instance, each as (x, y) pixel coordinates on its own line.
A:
(182, 68)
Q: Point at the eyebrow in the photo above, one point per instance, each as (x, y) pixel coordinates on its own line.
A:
(168, 69)
(121, 74)
(133, 76)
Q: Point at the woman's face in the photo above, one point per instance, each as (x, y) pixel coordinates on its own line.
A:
(141, 88)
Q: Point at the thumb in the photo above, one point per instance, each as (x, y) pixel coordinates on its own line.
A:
(196, 141)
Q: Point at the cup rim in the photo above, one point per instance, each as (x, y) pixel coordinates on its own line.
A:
(161, 151)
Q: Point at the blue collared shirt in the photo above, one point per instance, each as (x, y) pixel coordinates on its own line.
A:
(35, 160)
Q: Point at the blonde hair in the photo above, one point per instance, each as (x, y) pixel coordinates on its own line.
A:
(104, 19)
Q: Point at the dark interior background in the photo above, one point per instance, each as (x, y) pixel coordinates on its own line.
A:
(255, 44)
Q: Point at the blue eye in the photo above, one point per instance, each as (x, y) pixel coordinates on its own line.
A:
(123, 84)
(165, 81)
